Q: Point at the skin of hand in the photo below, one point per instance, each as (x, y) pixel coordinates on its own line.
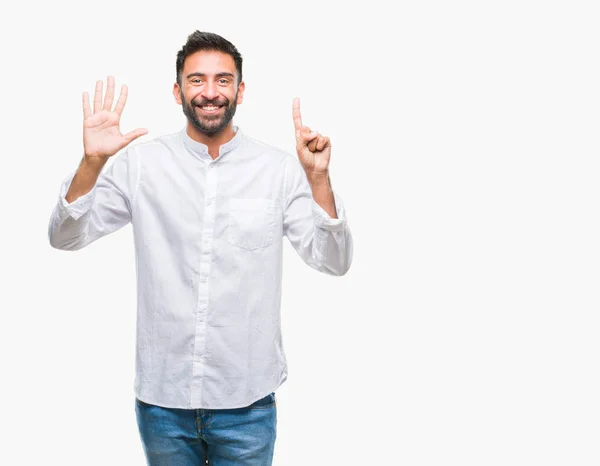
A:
(101, 134)
(314, 152)
(102, 137)
(314, 149)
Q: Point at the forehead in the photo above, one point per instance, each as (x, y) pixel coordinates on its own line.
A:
(209, 62)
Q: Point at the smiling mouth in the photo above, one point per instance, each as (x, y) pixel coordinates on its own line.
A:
(210, 109)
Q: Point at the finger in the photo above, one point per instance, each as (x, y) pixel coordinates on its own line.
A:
(133, 135)
(296, 113)
(98, 97)
(312, 145)
(122, 99)
(303, 136)
(85, 100)
(306, 133)
(110, 93)
(322, 142)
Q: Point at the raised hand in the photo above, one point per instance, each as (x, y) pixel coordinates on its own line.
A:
(314, 150)
(101, 134)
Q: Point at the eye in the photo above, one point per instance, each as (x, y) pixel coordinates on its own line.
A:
(196, 81)
(223, 81)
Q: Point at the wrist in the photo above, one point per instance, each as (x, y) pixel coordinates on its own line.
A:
(92, 163)
(319, 179)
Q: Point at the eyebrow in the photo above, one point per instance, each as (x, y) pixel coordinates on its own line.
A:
(218, 75)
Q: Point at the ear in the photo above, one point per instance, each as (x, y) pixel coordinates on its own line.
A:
(240, 93)
(177, 93)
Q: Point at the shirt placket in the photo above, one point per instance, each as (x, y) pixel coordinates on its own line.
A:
(203, 282)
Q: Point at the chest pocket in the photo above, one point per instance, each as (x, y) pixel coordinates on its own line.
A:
(251, 222)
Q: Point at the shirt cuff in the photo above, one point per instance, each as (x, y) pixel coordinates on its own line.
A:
(324, 221)
(79, 206)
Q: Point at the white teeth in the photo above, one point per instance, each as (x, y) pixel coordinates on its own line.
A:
(209, 107)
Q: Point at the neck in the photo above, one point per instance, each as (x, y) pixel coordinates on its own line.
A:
(212, 141)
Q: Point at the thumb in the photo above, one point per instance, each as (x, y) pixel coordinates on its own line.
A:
(303, 136)
(133, 135)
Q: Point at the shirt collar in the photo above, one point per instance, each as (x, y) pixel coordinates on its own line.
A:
(201, 150)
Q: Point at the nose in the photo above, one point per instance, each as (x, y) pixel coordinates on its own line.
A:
(210, 91)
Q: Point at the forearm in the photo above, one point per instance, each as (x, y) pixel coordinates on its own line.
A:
(315, 221)
(322, 194)
(91, 204)
(85, 178)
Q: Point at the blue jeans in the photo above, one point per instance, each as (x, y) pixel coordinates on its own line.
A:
(218, 437)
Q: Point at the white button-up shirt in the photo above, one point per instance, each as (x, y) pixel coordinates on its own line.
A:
(208, 239)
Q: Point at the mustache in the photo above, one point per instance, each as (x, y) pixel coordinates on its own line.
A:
(218, 102)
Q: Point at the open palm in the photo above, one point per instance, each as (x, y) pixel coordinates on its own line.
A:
(101, 133)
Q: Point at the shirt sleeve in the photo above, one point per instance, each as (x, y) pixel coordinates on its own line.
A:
(324, 243)
(103, 210)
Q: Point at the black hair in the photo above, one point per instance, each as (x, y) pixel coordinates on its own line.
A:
(198, 41)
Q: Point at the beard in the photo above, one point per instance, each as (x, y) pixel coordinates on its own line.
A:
(209, 124)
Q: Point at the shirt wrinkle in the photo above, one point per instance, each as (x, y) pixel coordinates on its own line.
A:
(208, 241)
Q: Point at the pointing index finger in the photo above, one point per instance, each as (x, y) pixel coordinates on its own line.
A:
(296, 113)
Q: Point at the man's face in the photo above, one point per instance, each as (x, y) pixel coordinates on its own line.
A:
(209, 93)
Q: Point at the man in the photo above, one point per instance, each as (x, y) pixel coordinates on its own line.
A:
(209, 208)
